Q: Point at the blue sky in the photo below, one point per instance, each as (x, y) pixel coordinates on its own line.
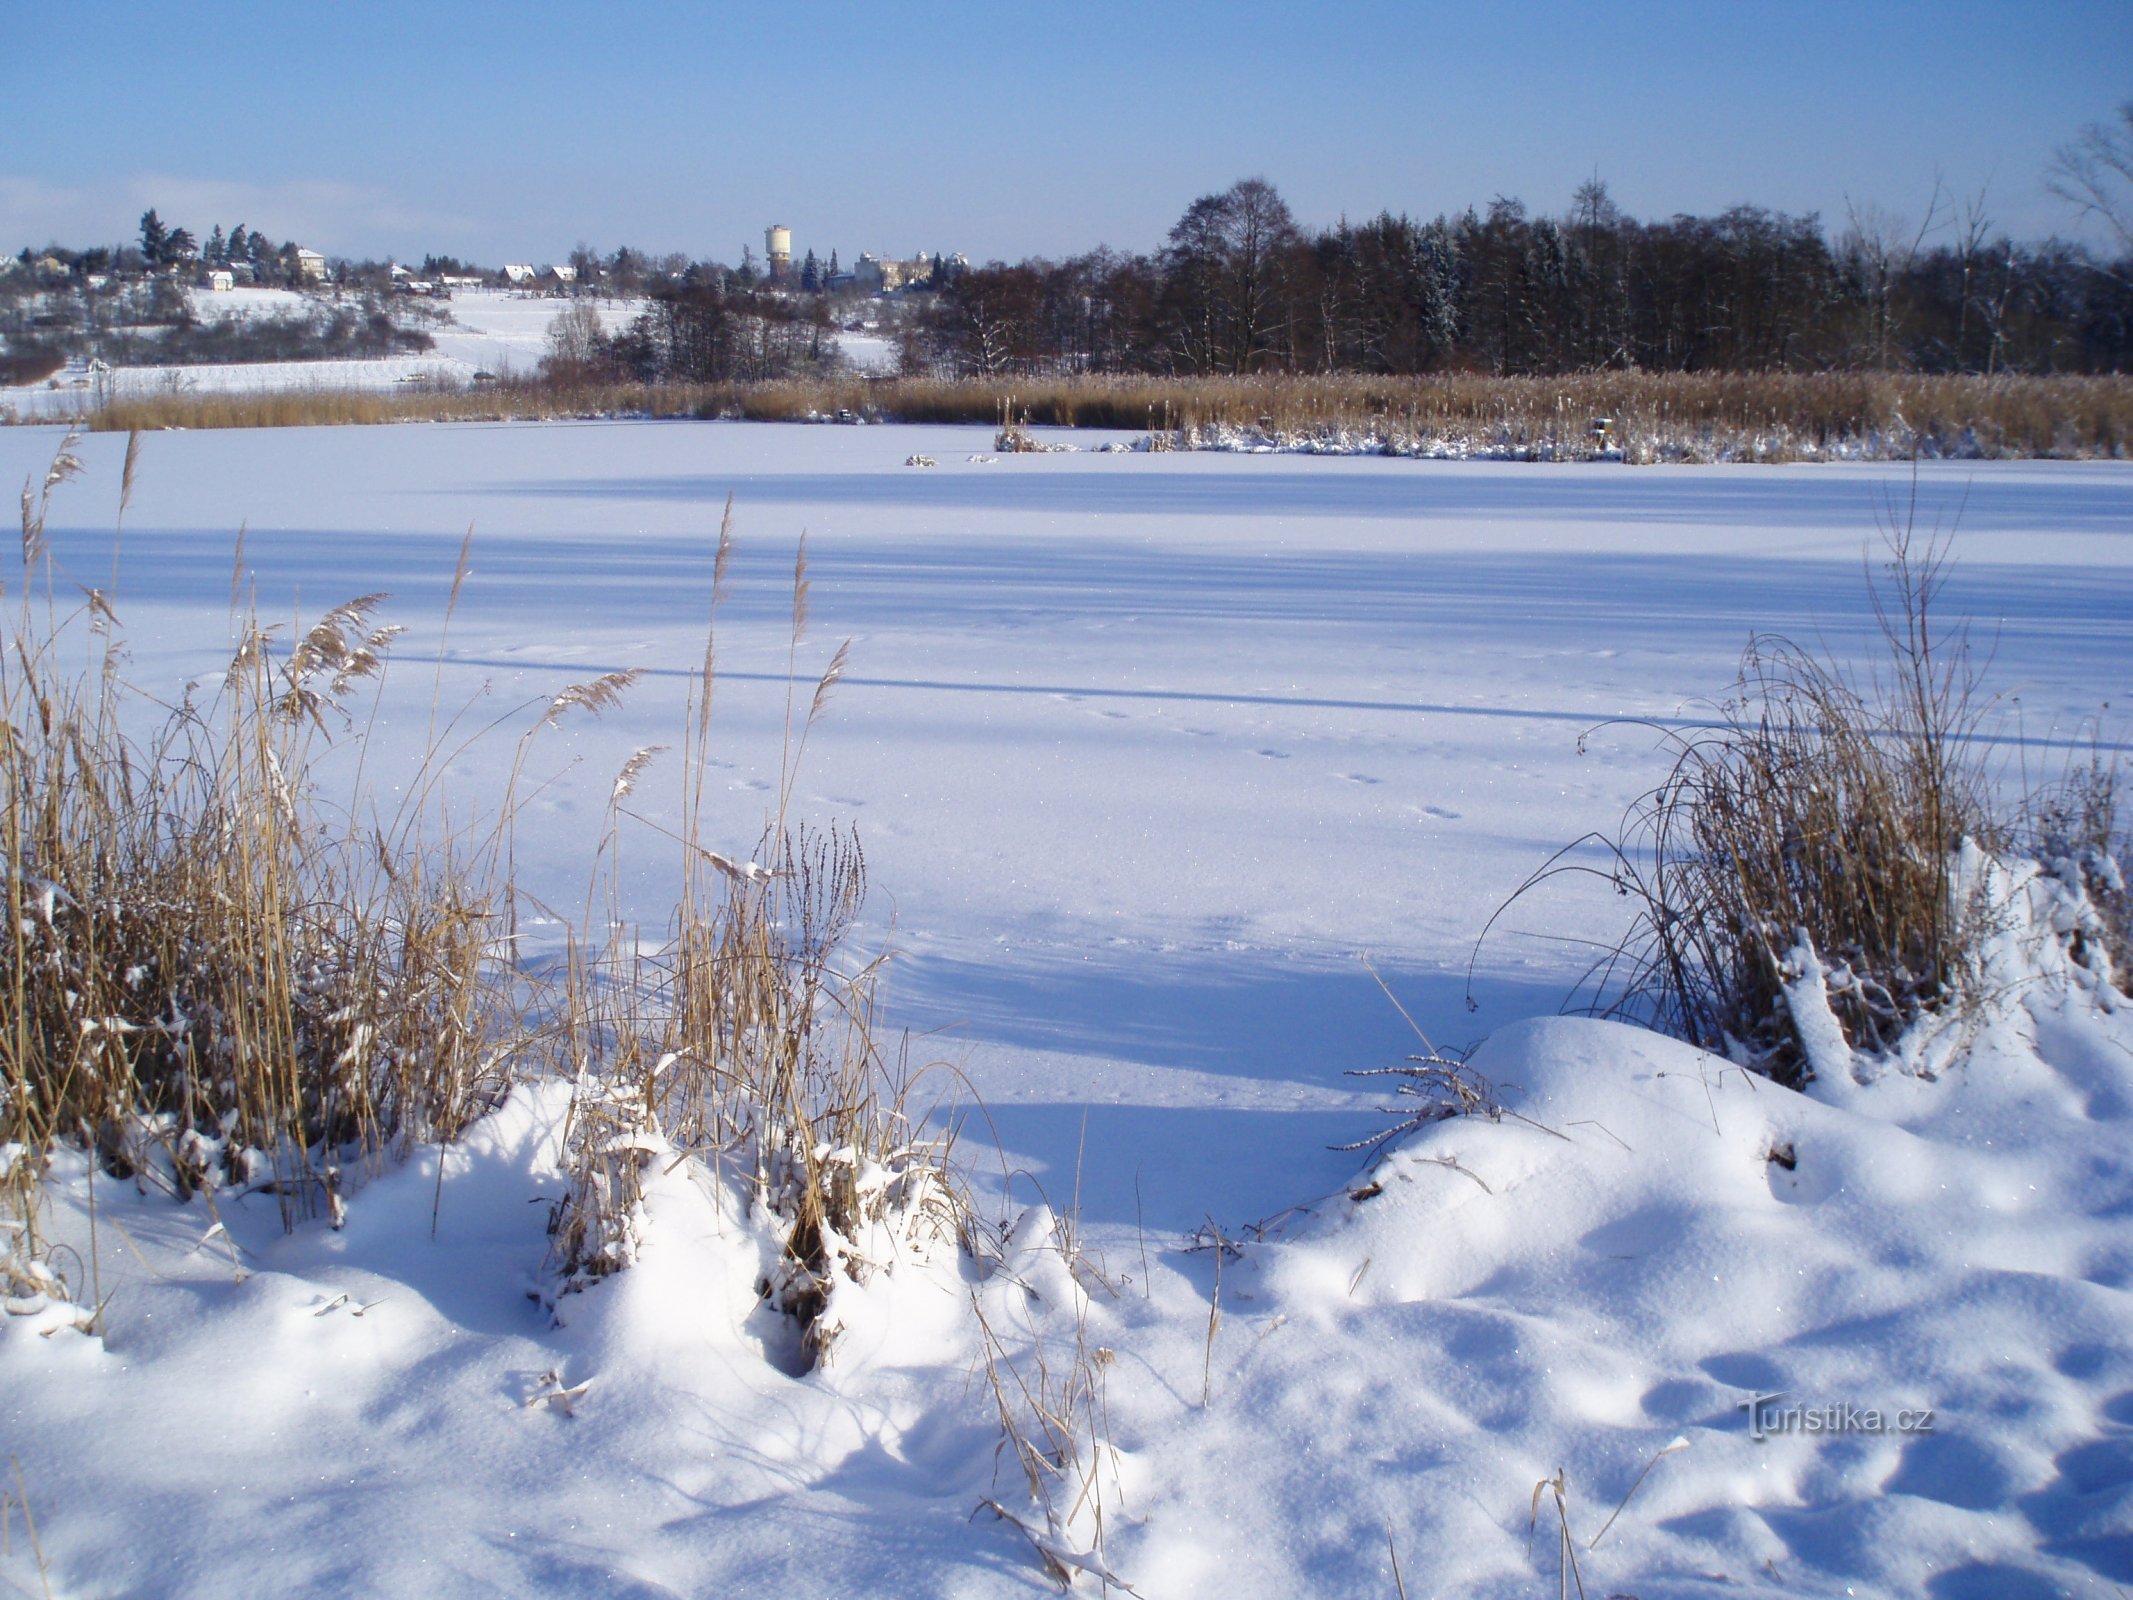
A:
(514, 131)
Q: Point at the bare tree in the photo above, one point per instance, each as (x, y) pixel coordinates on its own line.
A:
(1225, 271)
(577, 344)
(2094, 173)
(1881, 247)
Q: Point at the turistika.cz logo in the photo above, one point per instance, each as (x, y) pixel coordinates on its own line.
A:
(1766, 1417)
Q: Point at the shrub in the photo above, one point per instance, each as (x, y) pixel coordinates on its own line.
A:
(2075, 827)
(1810, 836)
(748, 1041)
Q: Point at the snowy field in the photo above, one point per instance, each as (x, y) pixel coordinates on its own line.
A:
(496, 331)
(1149, 753)
(492, 330)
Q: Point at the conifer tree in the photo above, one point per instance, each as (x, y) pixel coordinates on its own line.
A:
(155, 238)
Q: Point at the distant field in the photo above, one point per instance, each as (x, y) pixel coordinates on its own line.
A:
(494, 332)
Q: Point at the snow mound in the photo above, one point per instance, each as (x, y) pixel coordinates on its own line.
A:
(1889, 1318)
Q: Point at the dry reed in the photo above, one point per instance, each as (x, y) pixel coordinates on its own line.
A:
(748, 1041)
(1649, 417)
(209, 975)
(1812, 833)
(212, 977)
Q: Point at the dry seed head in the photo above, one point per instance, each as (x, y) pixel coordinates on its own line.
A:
(66, 464)
(133, 460)
(600, 694)
(459, 573)
(633, 769)
(332, 639)
(725, 553)
(237, 567)
(831, 677)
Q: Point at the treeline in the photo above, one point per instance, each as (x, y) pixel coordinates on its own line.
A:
(1240, 288)
(165, 249)
(714, 326)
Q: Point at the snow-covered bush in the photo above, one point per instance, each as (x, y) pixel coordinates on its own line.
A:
(748, 1043)
(2074, 828)
(1808, 845)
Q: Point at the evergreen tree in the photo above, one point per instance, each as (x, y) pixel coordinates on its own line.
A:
(218, 248)
(811, 274)
(833, 273)
(155, 238)
(179, 247)
(240, 246)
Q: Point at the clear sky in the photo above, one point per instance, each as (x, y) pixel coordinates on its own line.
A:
(512, 131)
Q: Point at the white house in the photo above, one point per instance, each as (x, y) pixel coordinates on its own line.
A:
(310, 264)
(519, 272)
(222, 278)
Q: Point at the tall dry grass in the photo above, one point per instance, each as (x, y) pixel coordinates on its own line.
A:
(209, 974)
(1648, 417)
(213, 977)
(749, 1040)
(1799, 866)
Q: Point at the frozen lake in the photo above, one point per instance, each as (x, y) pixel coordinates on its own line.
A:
(1148, 754)
(1146, 751)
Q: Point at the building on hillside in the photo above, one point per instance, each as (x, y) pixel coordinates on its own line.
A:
(221, 278)
(878, 275)
(310, 264)
(519, 272)
(561, 274)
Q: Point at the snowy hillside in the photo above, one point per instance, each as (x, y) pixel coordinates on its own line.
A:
(1148, 753)
(497, 332)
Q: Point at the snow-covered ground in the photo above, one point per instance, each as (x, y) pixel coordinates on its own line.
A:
(1148, 752)
(496, 331)
(506, 333)
(249, 303)
(874, 353)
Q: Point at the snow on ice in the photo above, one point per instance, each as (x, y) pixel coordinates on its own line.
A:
(1148, 752)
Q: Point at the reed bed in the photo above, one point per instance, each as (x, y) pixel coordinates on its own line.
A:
(1804, 881)
(1634, 416)
(210, 976)
(213, 978)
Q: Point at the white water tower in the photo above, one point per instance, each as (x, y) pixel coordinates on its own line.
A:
(777, 245)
